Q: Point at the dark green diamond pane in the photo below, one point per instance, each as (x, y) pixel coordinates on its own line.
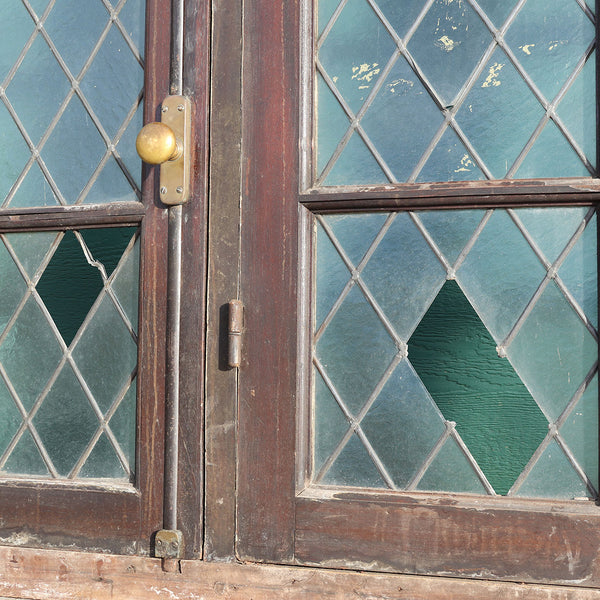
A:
(455, 357)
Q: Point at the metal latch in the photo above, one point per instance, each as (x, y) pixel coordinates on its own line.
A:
(168, 143)
(234, 333)
(168, 543)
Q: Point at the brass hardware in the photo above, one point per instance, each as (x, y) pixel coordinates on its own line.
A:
(234, 333)
(167, 143)
(168, 543)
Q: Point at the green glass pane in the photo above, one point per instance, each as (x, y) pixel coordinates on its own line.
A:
(549, 37)
(103, 462)
(106, 354)
(580, 432)
(11, 163)
(451, 230)
(404, 275)
(123, 425)
(401, 15)
(448, 45)
(497, 11)
(500, 275)
(456, 358)
(31, 249)
(330, 423)
(30, 353)
(133, 18)
(355, 350)
(73, 151)
(354, 467)
(402, 120)
(553, 352)
(552, 156)
(577, 109)
(125, 284)
(579, 272)
(113, 82)
(13, 287)
(451, 471)
(39, 6)
(10, 417)
(111, 186)
(126, 147)
(499, 115)
(450, 161)
(331, 276)
(34, 190)
(38, 71)
(65, 422)
(356, 51)
(553, 476)
(326, 10)
(15, 28)
(332, 123)
(355, 232)
(107, 245)
(26, 458)
(75, 31)
(403, 425)
(355, 165)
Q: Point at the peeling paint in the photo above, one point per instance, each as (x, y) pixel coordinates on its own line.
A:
(492, 78)
(392, 85)
(465, 163)
(527, 48)
(446, 44)
(365, 73)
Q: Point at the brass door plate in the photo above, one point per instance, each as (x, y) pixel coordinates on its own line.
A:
(175, 174)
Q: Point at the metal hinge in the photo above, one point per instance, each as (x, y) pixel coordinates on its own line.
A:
(168, 543)
(234, 333)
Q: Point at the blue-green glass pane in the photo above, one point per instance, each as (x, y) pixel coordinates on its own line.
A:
(26, 458)
(356, 51)
(332, 124)
(30, 353)
(553, 476)
(354, 467)
(497, 11)
(331, 276)
(451, 471)
(113, 82)
(11, 418)
(549, 37)
(356, 233)
(580, 432)
(38, 71)
(448, 45)
(106, 354)
(39, 6)
(577, 110)
(13, 287)
(450, 161)
(451, 230)
(31, 249)
(355, 165)
(404, 275)
(579, 272)
(123, 425)
(125, 284)
(330, 424)
(326, 10)
(402, 120)
(74, 31)
(15, 28)
(401, 15)
(500, 275)
(132, 16)
(499, 115)
(355, 350)
(403, 425)
(126, 147)
(34, 190)
(65, 421)
(103, 462)
(552, 156)
(111, 186)
(553, 352)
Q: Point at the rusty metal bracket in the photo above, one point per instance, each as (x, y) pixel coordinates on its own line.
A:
(234, 333)
(168, 543)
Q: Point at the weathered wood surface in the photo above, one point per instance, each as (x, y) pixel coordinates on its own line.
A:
(48, 575)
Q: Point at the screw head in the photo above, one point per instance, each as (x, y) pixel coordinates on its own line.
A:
(179, 190)
(180, 107)
(165, 108)
(163, 190)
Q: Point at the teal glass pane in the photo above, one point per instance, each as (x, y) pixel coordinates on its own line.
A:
(103, 462)
(26, 458)
(326, 10)
(15, 29)
(499, 348)
(356, 51)
(31, 249)
(123, 426)
(34, 190)
(448, 45)
(496, 11)
(11, 418)
(401, 15)
(11, 163)
(13, 287)
(133, 19)
(495, 415)
(549, 37)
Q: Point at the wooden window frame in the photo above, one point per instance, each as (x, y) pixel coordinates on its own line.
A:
(280, 518)
(123, 519)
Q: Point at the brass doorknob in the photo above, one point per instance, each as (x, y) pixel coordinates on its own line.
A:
(156, 144)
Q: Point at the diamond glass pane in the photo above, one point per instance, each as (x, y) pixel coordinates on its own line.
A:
(68, 353)
(453, 91)
(457, 351)
(71, 84)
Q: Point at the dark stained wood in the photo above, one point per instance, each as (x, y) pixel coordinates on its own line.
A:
(192, 345)
(224, 252)
(267, 377)
(47, 575)
(487, 539)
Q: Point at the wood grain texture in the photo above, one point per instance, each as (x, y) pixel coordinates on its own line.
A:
(48, 575)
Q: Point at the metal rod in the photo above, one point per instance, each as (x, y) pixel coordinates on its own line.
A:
(173, 301)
